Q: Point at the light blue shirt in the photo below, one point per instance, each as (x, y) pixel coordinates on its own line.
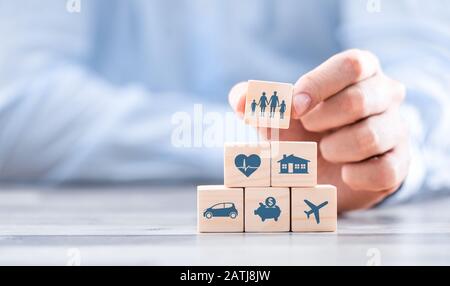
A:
(95, 95)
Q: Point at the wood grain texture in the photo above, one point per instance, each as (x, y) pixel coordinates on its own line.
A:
(316, 195)
(255, 196)
(207, 197)
(258, 118)
(303, 150)
(234, 177)
(156, 225)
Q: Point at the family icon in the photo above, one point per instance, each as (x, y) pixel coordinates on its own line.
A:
(273, 103)
(268, 104)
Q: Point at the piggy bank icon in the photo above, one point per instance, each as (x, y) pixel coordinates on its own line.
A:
(268, 210)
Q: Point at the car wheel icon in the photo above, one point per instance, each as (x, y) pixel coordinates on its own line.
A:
(233, 215)
(208, 215)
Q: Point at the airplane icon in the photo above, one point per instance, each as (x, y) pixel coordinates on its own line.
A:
(314, 209)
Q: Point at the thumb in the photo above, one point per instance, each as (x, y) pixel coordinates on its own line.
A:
(332, 76)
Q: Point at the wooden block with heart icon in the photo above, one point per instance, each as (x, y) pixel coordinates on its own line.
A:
(247, 164)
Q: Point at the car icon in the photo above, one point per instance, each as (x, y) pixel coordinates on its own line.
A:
(221, 210)
(265, 212)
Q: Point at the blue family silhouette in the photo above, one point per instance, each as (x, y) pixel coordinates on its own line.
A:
(273, 103)
(263, 103)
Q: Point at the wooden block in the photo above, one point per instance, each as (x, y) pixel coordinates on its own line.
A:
(247, 164)
(294, 164)
(267, 209)
(268, 104)
(220, 209)
(314, 208)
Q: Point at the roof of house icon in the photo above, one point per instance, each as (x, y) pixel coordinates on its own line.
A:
(292, 159)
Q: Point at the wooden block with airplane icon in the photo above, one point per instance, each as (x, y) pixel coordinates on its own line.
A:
(314, 209)
(293, 164)
(220, 209)
(268, 104)
(247, 164)
(267, 209)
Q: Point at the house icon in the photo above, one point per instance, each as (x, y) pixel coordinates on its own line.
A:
(293, 165)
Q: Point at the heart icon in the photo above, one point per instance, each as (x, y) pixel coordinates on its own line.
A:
(247, 164)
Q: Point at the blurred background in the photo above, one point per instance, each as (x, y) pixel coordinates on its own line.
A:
(95, 91)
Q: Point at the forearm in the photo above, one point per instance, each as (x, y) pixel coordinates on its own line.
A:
(69, 125)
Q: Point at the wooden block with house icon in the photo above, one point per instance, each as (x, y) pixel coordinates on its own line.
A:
(314, 208)
(247, 164)
(268, 104)
(294, 164)
(267, 209)
(220, 209)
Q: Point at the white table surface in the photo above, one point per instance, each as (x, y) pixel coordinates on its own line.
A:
(157, 226)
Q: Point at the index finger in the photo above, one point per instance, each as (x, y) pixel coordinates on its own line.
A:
(332, 76)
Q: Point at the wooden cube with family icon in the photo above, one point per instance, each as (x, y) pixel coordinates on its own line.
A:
(268, 104)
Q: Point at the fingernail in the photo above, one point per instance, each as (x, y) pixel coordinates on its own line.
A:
(301, 103)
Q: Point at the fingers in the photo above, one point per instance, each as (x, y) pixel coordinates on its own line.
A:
(359, 199)
(362, 140)
(385, 172)
(369, 97)
(332, 76)
(236, 98)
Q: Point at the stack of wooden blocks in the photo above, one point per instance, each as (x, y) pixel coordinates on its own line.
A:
(268, 186)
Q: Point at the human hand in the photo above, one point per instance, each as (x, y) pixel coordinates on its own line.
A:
(351, 109)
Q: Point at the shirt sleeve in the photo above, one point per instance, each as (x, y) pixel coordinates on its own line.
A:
(61, 121)
(412, 40)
